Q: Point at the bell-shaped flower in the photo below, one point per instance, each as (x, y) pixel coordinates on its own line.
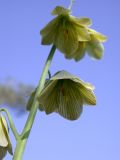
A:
(5, 144)
(72, 35)
(66, 94)
(65, 31)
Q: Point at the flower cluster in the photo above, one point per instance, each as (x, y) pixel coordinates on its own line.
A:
(72, 35)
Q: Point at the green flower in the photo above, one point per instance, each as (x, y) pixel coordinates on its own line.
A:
(66, 94)
(65, 31)
(72, 35)
(5, 144)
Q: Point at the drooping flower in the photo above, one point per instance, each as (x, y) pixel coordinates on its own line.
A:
(72, 35)
(65, 31)
(66, 94)
(5, 144)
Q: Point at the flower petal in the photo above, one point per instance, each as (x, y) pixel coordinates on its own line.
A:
(83, 21)
(60, 10)
(5, 128)
(79, 53)
(66, 40)
(49, 32)
(98, 36)
(95, 49)
(70, 102)
(88, 96)
(83, 34)
(3, 138)
(47, 98)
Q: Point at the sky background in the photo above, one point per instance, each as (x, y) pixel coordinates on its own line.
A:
(96, 134)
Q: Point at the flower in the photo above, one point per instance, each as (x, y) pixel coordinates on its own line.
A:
(72, 35)
(66, 94)
(5, 144)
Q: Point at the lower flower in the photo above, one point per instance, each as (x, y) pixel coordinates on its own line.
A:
(66, 94)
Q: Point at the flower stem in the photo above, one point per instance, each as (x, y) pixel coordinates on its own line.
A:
(12, 126)
(71, 4)
(20, 147)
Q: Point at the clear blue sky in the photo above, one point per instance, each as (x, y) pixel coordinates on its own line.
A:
(96, 135)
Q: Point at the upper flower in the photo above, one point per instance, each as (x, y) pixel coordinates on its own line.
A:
(5, 144)
(69, 34)
(65, 93)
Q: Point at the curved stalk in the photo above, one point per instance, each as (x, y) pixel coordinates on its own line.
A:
(12, 126)
(26, 131)
(71, 4)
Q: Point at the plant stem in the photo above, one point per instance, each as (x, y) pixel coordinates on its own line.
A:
(20, 147)
(12, 126)
(71, 4)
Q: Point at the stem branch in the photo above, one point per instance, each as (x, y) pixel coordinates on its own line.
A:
(12, 126)
(26, 131)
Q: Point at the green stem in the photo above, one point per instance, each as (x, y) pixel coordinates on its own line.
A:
(71, 4)
(12, 126)
(20, 147)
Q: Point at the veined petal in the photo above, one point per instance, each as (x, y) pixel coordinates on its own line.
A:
(83, 34)
(88, 95)
(70, 102)
(66, 40)
(95, 49)
(3, 138)
(98, 36)
(79, 53)
(60, 10)
(83, 21)
(47, 98)
(5, 129)
(49, 32)
(50, 26)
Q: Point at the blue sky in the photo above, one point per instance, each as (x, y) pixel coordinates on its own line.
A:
(96, 135)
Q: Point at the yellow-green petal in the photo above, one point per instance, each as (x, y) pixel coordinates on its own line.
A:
(49, 32)
(95, 49)
(70, 102)
(79, 53)
(82, 33)
(60, 10)
(3, 138)
(98, 36)
(5, 128)
(83, 21)
(66, 40)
